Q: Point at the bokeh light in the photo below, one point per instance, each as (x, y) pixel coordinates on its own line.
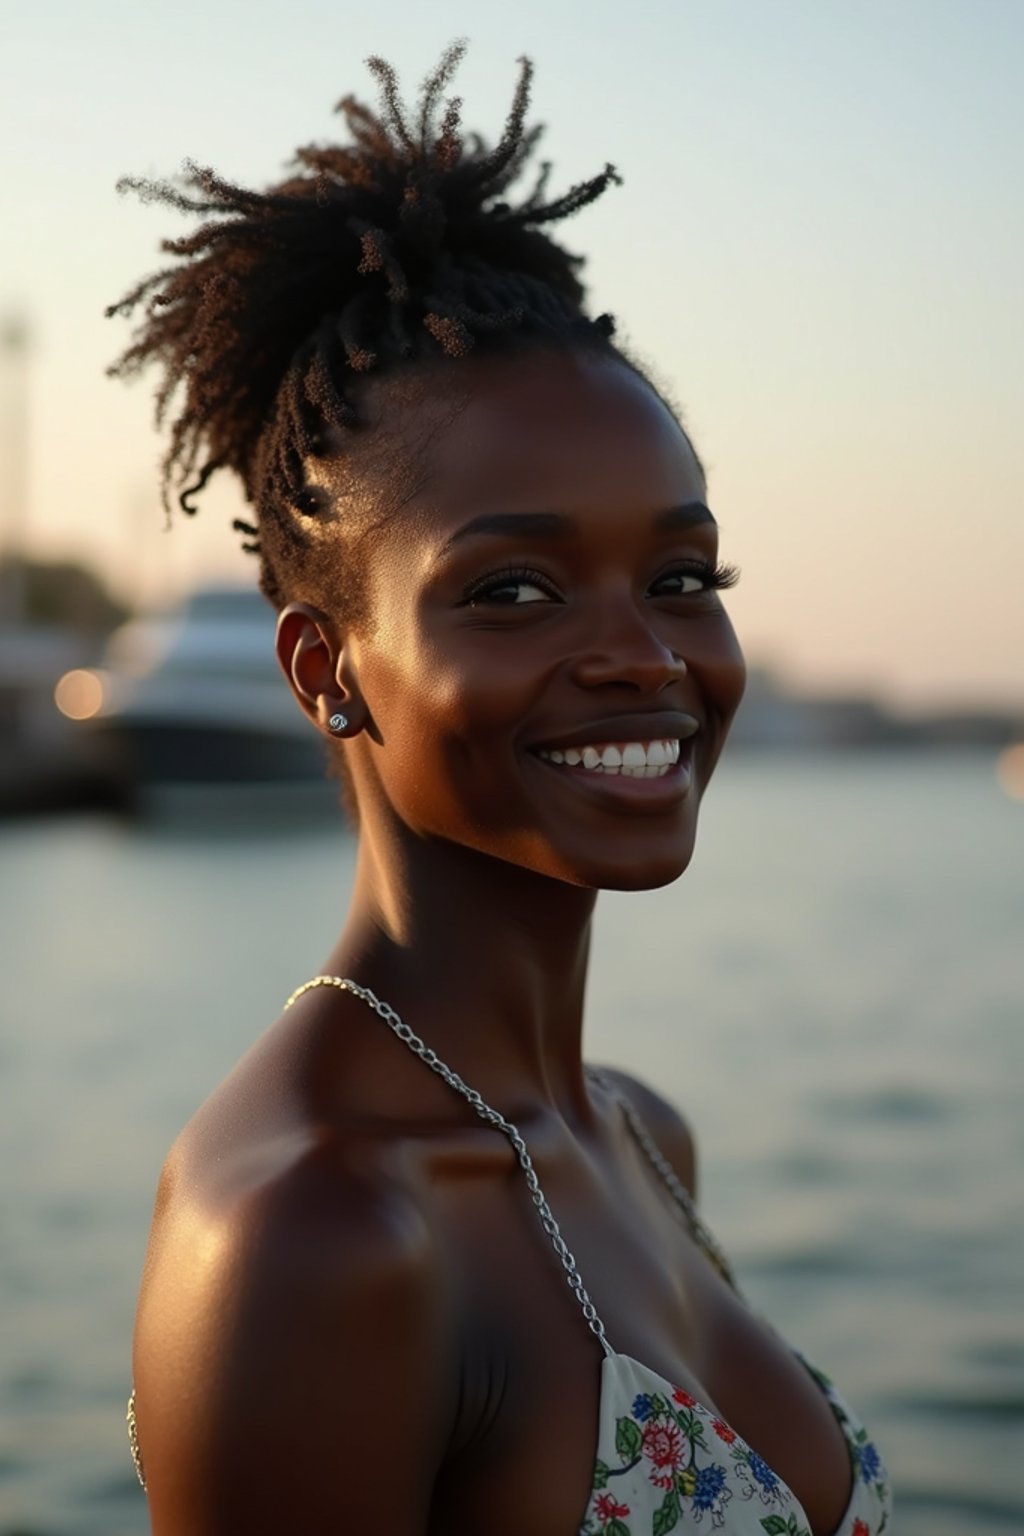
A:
(1010, 770)
(79, 693)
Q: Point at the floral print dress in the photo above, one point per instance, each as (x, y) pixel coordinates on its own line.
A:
(667, 1463)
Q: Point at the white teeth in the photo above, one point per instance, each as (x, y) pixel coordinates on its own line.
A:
(633, 759)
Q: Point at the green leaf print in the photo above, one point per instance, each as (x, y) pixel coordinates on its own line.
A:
(666, 1516)
(776, 1526)
(627, 1440)
(690, 1425)
(601, 1474)
(616, 1528)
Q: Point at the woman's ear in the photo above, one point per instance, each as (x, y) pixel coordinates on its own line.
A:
(309, 652)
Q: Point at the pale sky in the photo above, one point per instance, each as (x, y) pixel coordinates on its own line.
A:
(818, 248)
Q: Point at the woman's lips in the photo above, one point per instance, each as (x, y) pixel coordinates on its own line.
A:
(653, 786)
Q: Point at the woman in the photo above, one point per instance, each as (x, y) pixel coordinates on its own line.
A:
(488, 538)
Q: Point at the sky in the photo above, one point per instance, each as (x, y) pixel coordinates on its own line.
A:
(817, 249)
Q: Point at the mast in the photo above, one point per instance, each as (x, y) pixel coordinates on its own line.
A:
(14, 358)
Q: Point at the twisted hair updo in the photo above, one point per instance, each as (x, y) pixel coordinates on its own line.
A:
(396, 248)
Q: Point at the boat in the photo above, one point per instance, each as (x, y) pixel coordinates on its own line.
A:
(195, 698)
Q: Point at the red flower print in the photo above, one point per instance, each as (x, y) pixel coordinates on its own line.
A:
(860, 1528)
(662, 1444)
(723, 1432)
(679, 1396)
(607, 1509)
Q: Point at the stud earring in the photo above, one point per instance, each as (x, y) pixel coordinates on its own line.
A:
(338, 722)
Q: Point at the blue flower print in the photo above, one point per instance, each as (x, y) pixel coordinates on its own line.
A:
(763, 1472)
(642, 1407)
(710, 1492)
(870, 1462)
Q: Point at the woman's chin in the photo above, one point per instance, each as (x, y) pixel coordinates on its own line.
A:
(629, 873)
(649, 879)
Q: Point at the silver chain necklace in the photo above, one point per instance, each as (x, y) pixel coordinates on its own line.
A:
(676, 1188)
(420, 1048)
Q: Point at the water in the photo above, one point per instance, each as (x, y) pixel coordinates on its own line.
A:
(833, 993)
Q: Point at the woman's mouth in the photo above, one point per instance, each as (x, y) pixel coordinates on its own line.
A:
(626, 759)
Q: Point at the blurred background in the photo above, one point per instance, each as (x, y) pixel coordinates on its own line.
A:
(817, 251)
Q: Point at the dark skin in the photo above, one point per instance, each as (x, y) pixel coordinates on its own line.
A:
(350, 1316)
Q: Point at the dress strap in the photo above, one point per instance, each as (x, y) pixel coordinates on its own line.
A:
(700, 1232)
(493, 1118)
(133, 1440)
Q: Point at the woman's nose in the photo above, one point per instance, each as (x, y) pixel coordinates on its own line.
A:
(621, 647)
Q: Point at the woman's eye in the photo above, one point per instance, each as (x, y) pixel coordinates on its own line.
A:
(681, 583)
(508, 591)
(517, 592)
(690, 579)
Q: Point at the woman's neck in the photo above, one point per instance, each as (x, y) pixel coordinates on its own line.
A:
(483, 959)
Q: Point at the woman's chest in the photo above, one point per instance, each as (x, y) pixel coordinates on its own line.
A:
(567, 1438)
(524, 1451)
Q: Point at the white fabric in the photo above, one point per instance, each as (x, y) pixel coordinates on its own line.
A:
(665, 1462)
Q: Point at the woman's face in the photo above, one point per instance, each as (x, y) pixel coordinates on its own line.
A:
(547, 594)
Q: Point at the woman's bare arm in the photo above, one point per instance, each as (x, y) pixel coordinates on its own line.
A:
(291, 1358)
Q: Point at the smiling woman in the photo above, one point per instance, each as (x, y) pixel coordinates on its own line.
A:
(488, 538)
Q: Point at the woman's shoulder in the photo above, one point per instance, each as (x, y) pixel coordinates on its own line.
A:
(306, 1185)
(280, 1160)
(292, 1281)
(668, 1126)
(306, 1107)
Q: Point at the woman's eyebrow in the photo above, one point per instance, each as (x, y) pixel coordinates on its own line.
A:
(677, 519)
(515, 525)
(557, 525)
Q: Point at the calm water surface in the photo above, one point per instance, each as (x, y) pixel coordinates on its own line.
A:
(833, 993)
